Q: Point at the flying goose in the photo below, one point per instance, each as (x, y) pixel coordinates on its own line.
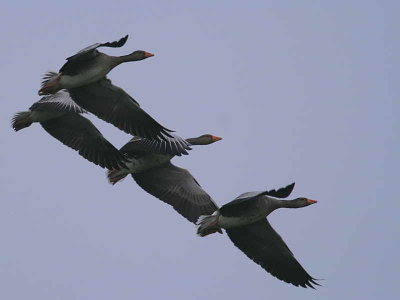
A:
(88, 66)
(153, 172)
(244, 220)
(84, 76)
(62, 119)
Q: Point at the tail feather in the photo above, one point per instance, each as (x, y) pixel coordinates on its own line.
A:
(21, 120)
(208, 225)
(50, 83)
(47, 77)
(115, 175)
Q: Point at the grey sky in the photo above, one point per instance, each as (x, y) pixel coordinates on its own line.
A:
(300, 91)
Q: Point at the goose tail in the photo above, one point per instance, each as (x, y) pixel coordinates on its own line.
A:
(208, 225)
(21, 120)
(115, 175)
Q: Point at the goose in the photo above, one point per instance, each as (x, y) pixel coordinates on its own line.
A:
(88, 66)
(244, 220)
(152, 170)
(84, 76)
(62, 118)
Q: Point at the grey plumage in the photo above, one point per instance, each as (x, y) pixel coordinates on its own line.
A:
(177, 187)
(60, 116)
(113, 105)
(262, 244)
(152, 170)
(83, 58)
(174, 145)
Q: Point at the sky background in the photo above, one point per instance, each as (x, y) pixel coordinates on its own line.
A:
(300, 91)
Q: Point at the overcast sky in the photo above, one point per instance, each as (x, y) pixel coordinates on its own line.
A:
(300, 91)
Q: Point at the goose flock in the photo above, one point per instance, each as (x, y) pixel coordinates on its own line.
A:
(81, 86)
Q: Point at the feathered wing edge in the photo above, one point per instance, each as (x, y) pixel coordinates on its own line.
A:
(174, 145)
(262, 244)
(116, 44)
(280, 193)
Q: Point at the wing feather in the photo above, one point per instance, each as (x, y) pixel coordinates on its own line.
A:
(262, 244)
(113, 105)
(58, 102)
(177, 187)
(78, 133)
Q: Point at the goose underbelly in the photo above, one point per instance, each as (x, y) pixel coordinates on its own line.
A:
(230, 222)
(147, 162)
(42, 116)
(86, 77)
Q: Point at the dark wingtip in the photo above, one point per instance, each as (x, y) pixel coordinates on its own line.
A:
(290, 187)
(310, 283)
(121, 41)
(314, 281)
(115, 44)
(282, 192)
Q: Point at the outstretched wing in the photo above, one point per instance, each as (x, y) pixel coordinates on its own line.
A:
(282, 192)
(177, 187)
(173, 145)
(262, 244)
(78, 133)
(113, 105)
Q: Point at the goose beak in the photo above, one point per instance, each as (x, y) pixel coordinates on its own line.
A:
(216, 138)
(310, 201)
(148, 54)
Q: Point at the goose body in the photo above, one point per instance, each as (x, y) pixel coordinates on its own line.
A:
(232, 222)
(145, 163)
(88, 66)
(43, 116)
(47, 108)
(142, 154)
(101, 65)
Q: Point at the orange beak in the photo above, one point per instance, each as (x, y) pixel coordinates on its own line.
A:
(216, 138)
(148, 54)
(310, 201)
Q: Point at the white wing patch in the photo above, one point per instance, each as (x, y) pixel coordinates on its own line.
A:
(60, 101)
(174, 145)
